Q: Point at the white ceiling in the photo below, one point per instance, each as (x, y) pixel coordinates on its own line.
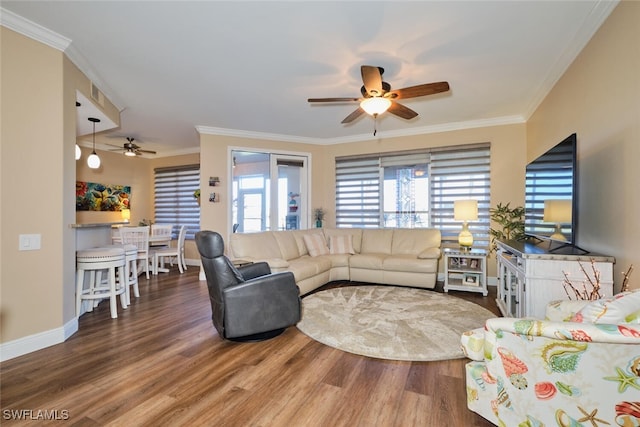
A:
(247, 68)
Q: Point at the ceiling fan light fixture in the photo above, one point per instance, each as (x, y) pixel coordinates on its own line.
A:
(375, 105)
(78, 152)
(130, 153)
(93, 161)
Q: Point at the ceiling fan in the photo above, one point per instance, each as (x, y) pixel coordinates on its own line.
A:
(377, 96)
(129, 148)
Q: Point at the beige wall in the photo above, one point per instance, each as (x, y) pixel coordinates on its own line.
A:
(599, 99)
(37, 183)
(115, 168)
(508, 152)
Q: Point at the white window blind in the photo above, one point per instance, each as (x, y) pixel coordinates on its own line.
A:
(174, 202)
(461, 173)
(358, 192)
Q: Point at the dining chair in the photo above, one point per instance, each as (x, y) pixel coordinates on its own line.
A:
(176, 252)
(158, 231)
(138, 236)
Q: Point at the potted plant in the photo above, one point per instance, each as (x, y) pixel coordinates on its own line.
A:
(318, 215)
(511, 221)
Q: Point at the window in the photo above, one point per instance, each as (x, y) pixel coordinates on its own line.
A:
(174, 202)
(415, 190)
(461, 173)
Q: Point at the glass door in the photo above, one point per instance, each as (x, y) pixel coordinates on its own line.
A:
(269, 191)
(291, 212)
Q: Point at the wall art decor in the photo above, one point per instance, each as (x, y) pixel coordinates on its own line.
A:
(91, 196)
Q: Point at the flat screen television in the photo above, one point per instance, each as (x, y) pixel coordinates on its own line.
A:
(551, 204)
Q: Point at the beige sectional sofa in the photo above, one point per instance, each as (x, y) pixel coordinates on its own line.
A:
(317, 256)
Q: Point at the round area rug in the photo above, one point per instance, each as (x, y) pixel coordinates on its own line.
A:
(390, 322)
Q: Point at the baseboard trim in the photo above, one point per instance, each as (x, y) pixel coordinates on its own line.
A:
(31, 343)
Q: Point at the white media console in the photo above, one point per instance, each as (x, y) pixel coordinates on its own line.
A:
(530, 276)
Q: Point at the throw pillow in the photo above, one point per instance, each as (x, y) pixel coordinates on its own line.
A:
(341, 245)
(315, 244)
(621, 308)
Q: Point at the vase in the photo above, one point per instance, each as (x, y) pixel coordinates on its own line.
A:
(318, 223)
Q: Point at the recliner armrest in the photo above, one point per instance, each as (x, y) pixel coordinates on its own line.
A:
(257, 269)
(272, 300)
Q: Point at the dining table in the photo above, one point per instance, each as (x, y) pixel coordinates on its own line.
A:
(155, 242)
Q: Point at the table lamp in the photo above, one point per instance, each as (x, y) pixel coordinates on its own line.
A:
(126, 215)
(465, 210)
(558, 212)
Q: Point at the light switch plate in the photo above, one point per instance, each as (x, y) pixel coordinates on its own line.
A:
(29, 242)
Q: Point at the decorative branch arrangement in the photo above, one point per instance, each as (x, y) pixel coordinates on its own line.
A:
(580, 292)
(625, 281)
(584, 294)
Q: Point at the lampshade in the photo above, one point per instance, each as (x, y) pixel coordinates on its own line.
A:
(375, 105)
(465, 210)
(126, 214)
(93, 161)
(557, 211)
(78, 152)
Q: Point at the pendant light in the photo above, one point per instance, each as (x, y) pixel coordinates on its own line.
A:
(93, 161)
(78, 151)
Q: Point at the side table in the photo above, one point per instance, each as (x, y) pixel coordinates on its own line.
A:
(465, 270)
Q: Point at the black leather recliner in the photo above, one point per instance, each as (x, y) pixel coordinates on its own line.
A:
(247, 303)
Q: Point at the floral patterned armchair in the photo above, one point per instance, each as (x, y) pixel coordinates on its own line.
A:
(578, 367)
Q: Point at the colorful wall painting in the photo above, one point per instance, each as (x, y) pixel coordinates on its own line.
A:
(91, 196)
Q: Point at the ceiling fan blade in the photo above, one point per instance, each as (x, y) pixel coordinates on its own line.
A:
(333, 99)
(419, 90)
(351, 117)
(402, 111)
(145, 151)
(372, 79)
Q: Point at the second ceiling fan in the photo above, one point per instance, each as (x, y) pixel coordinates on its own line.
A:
(130, 148)
(377, 96)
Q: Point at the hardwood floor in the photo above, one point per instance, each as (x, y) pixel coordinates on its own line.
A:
(162, 363)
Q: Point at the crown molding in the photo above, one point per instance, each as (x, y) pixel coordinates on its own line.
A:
(446, 127)
(32, 30)
(599, 13)
(50, 38)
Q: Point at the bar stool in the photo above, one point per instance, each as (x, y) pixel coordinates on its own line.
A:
(130, 269)
(94, 260)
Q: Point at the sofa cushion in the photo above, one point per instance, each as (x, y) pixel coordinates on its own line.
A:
(306, 266)
(287, 244)
(341, 245)
(299, 236)
(367, 261)
(355, 233)
(621, 308)
(376, 241)
(254, 246)
(409, 263)
(315, 244)
(412, 241)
